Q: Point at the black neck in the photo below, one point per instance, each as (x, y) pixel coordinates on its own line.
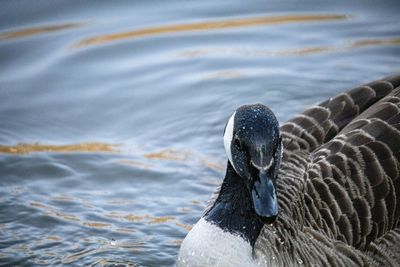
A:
(233, 211)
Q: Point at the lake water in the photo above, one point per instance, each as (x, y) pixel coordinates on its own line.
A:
(112, 113)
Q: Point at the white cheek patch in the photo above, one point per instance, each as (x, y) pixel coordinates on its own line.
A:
(228, 136)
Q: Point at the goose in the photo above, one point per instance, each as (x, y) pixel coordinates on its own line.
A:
(322, 189)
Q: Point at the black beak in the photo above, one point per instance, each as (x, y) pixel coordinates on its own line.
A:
(264, 198)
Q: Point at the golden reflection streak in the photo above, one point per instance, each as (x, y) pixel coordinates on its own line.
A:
(135, 218)
(329, 49)
(304, 51)
(202, 26)
(140, 218)
(158, 220)
(97, 224)
(182, 156)
(36, 31)
(184, 226)
(97, 147)
(148, 219)
(307, 51)
(168, 154)
(63, 198)
(50, 211)
(24, 148)
(196, 202)
(352, 45)
(53, 238)
(136, 164)
(375, 42)
(213, 165)
(54, 213)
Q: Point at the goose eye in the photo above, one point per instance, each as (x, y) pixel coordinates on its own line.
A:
(238, 144)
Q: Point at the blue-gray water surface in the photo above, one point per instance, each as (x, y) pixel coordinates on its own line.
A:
(112, 113)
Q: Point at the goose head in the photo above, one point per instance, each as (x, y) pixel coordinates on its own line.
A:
(247, 199)
(253, 145)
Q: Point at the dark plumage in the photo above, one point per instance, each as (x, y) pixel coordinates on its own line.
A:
(338, 185)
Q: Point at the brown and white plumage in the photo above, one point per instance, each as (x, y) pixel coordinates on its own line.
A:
(338, 186)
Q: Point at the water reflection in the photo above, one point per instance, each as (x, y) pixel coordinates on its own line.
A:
(38, 147)
(50, 211)
(169, 155)
(375, 42)
(207, 26)
(146, 218)
(27, 32)
(303, 51)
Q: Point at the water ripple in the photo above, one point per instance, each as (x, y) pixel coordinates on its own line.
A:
(38, 147)
(301, 51)
(207, 26)
(23, 33)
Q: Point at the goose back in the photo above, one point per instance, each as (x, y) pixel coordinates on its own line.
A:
(339, 186)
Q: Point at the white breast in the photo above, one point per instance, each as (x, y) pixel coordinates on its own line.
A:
(208, 245)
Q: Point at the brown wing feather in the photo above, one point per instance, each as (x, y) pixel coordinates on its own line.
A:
(319, 124)
(354, 178)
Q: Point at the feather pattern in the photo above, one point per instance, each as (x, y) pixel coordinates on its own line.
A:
(338, 186)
